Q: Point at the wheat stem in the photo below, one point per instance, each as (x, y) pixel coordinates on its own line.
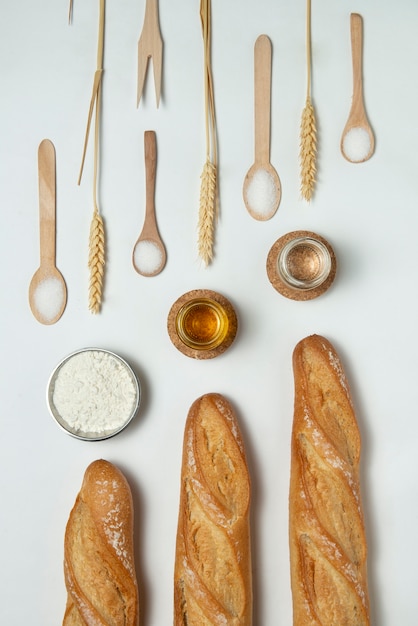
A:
(308, 46)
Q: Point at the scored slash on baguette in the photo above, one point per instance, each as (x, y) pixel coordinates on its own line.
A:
(99, 553)
(327, 538)
(212, 581)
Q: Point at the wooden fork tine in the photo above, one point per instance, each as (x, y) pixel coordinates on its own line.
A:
(150, 45)
(157, 64)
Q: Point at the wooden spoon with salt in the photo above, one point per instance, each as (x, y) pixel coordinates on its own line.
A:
(262, 189)
(47, 289)
(149, 254)
(357, 141)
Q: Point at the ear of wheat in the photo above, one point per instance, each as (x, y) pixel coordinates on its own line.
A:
(207, 212)
(308, 135)
(308, 151)
(96, 262)
(208, 208)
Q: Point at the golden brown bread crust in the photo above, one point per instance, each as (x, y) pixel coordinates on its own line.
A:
(327, 539)
(212, 580)
(98, 552)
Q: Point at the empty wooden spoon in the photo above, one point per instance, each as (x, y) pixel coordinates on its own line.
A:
(262, 189)
(47, 289)
(357, 141)
(149, 254)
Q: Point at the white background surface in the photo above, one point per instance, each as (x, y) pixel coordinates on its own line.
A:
(368, 212)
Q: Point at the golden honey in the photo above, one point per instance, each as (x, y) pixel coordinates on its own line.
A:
(202, 324)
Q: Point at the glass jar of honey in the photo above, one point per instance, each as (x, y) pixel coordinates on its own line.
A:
(202, 324)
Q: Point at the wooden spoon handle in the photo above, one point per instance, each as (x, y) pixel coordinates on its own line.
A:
(356, 23)
(149, 229)
(150, 149)
(262, 98)
(47, 201)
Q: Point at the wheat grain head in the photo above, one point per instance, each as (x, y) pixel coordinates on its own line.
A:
(96, 262)
(207, 212)
(308, 150)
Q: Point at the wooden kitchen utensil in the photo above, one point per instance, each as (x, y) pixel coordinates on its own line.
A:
(357, 141)
(149, 254)
(150, 46)
(47, 290)
(262, 188)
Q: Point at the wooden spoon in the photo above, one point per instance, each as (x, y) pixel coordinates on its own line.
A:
(357, 141)
(149, 255)
(47, 289)
(262, 188)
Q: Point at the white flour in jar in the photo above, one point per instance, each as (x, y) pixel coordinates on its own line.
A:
(94, 392)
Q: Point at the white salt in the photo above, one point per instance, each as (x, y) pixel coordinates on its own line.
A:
(49, 298)
(261, 194)
(148, 257)
(356, 144)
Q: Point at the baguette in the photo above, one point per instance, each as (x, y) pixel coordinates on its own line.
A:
(212, 580)
(98, 552)
(326, 527)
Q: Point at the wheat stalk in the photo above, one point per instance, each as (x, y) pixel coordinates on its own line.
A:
(97, 237)
(308, 135)
(208, 207)
(96, 262)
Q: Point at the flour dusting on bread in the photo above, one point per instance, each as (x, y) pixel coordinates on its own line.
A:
(98, 552)
(212, 583)
(328, 547)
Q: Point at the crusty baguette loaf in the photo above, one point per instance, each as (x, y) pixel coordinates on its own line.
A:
(327, 539)
(212, 582)
(98, 552)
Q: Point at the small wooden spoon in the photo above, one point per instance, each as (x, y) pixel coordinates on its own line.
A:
(262, 183)
(358, 146)
(47, 289)
(149, 254)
